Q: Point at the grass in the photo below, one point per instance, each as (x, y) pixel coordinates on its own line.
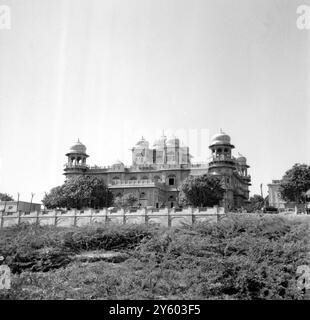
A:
(241, 257)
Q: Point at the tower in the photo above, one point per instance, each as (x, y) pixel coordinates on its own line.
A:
(222, 161)
(223, 165)
(76, 163)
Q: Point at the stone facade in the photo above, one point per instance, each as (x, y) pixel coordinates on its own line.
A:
(275, 200)
(157, 172)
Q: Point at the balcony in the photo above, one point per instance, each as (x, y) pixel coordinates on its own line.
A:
(132, 183)
(70, 166)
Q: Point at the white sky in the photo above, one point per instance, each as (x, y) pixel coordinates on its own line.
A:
(109, 71)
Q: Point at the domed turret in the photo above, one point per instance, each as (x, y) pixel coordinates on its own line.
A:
(78, 147)
(241, 160)
(220, 138)
(76, 158)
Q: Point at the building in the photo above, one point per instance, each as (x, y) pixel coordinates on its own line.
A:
(15, 206)
(276, 201)
(157, 171)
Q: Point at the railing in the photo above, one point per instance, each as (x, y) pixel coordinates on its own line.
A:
(164, 217)
(132, 182)
(76, 166)
(222, 158)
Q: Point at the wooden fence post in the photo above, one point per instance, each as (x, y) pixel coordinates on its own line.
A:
(74, 218)
(18, 219)
(169, 219)
(193, 217)
(106, 216)
(2, 220)
(91, 216)
(37, 219)
(124, 217)
(55, 218)
(146, 217)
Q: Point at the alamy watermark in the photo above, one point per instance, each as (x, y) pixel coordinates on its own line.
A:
(303, 20)
(5, 17)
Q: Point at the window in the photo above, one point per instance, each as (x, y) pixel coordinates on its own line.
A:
(133, 178)
(145, 178)
(225, 150)
(171, 181)
(142, 195)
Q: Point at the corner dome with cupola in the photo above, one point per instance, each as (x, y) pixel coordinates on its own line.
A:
(78, 148)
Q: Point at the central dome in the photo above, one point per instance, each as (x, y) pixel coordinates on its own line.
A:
(173, 142)
(142, 143)
(220, 138)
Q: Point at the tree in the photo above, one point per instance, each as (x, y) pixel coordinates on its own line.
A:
(79, 192)
(256, 203)
(202, 191)
(295, 183)
(125, 201)
(5, 197)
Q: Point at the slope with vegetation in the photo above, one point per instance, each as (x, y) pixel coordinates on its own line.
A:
(240, 257)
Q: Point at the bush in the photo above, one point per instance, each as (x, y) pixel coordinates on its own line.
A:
(241, 257)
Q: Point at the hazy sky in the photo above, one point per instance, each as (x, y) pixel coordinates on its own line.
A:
(109, 71)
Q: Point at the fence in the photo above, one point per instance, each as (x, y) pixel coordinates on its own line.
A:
(164, 217)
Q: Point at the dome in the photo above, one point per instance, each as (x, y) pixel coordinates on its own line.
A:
(173, 141)
(118, 163)
(241, 159)
(78, 147)
(220, 138)
(142, 143)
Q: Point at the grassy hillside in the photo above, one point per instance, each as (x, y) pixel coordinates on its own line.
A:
(241, 257)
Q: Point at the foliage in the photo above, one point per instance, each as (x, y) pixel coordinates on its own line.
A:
(202, 191)
(256, 203)
(41, 248)
(125, 201)
(5, 197)
(241, 257)
(79, 192)
(295, 183)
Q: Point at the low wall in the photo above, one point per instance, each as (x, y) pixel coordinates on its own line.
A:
(164, 217)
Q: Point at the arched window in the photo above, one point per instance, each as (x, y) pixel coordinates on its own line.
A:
(115, 178)
(142, 195)
(156, 178)
(133, 178)
(145, 178)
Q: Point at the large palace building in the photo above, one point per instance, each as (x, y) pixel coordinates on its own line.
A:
(157, 172)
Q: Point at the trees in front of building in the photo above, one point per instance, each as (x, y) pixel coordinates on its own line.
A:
(295, 183)
(5, 197)
(79, 192)
(125, 201)
(201, 191)
(256, 203)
